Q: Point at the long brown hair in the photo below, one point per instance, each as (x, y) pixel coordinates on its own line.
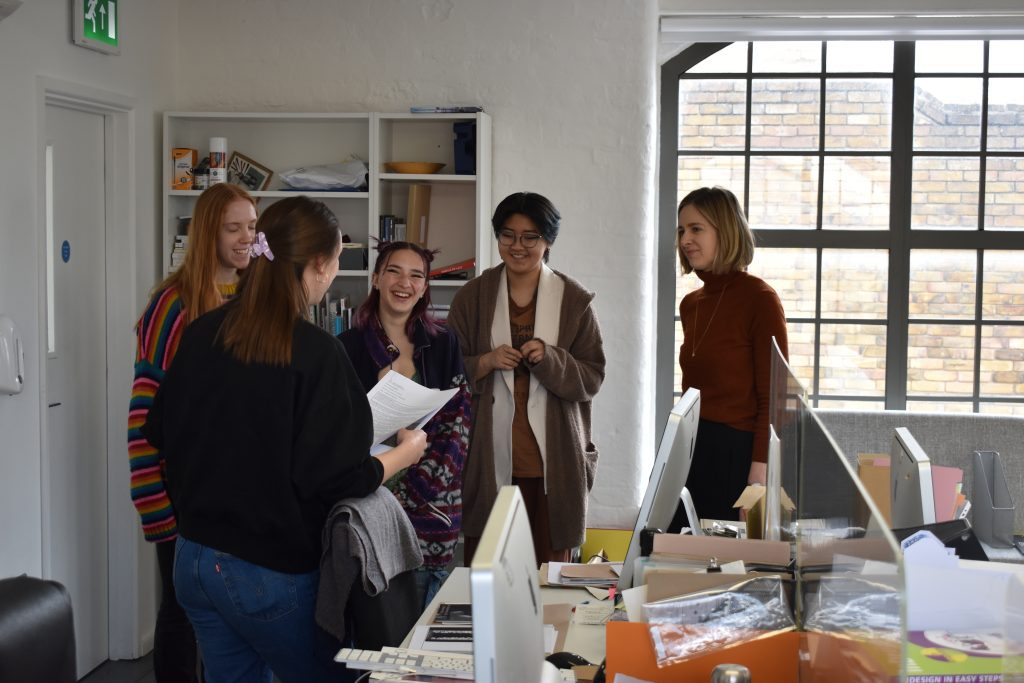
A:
(195, 280)
(271, 294)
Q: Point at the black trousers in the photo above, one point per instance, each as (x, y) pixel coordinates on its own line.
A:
(174, 642)
(718, 473)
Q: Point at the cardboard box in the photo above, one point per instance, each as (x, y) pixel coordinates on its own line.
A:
(752, 501)
(183, 160)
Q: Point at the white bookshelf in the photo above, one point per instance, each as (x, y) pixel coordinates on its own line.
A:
(460, 205)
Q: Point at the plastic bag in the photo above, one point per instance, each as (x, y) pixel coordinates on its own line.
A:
(348, 175)
(692, 625)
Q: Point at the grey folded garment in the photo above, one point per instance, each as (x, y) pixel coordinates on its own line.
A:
(370, 539)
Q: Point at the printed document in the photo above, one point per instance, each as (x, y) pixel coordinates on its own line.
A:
(398, 403)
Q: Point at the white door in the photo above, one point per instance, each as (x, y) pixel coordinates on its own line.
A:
(76, 375)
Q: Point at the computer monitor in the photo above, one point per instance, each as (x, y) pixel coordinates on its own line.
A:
(910, 482)
(508, 624)
(668, 477)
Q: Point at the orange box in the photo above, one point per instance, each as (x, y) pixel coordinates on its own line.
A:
(629, 651)
(183, 160)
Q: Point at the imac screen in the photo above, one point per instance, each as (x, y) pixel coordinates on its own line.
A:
(508, 624)
(910, 482)
(668, 477)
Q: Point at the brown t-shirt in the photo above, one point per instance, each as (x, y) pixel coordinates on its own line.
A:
(526, 460)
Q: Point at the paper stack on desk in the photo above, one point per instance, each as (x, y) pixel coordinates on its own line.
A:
(601, 574)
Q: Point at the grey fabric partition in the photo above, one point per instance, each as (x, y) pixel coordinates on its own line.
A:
(947, 438)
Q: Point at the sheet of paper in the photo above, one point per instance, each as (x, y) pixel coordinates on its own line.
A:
(556, 575)
(397, 403)
(593, 612)
(634, 599)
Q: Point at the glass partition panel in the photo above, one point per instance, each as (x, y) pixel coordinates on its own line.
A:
(784, 413)
(850, 580)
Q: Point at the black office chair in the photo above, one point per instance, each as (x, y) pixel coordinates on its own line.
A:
(37, 631)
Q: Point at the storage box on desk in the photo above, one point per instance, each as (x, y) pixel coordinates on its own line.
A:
(682, 643)
(629, 651)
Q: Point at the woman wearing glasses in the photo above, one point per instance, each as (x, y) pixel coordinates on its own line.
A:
(534, 360)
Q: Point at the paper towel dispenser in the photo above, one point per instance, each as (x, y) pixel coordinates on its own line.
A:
(12, 358)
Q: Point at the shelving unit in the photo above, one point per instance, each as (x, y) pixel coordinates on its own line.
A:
(460, 204)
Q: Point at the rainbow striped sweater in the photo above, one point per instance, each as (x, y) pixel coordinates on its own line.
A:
(159, 331)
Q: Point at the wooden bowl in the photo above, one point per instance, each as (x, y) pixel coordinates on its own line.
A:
(422, 167)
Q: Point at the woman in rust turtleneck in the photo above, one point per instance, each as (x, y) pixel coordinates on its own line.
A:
(728, 325)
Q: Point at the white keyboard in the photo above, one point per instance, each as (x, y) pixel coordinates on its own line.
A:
(400, 660)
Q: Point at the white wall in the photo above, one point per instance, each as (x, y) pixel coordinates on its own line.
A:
(570, 86)
(35, 41)
(571, 89)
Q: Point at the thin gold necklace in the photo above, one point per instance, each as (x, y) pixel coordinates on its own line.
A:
(696, 310)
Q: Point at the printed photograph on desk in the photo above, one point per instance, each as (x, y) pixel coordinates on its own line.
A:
(454, 613)
(248, 173)
(442, 638)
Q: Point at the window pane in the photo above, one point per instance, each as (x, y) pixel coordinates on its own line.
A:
(792, 274)
(1002, 296)
(942, 283)
(712, 114)
(787, 56)
(856, 193)
(1002, 408)
(1005, 55)
(944, 193)
(851, 404)
(801, 351)
(784, 114)
(1002, 361)
(858, 114)
(706, 171)
(783, 192)
(966, 406)
(940, 360)
(854, 283)
(859, 55)
(1006, 113)
(951, 56)
(947, 113)
(852, 360)
(1004, 193)
(732, 59)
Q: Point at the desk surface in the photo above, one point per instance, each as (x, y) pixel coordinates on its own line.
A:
(585, 640)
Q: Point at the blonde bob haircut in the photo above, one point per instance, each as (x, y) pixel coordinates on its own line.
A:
(735, 239)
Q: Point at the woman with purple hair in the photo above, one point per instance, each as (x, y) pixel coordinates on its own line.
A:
(393, 330)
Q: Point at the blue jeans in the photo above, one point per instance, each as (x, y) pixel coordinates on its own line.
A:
(252, 623)
(428, 582)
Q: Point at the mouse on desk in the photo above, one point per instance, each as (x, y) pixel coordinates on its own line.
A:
(566, 660)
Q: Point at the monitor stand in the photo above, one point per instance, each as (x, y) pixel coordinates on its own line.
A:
(691, 513)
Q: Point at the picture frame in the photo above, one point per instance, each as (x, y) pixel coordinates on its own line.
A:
(247, 172)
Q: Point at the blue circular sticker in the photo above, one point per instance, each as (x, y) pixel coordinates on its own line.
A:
(65, 251)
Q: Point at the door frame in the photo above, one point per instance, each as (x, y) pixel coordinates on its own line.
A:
(126, 588)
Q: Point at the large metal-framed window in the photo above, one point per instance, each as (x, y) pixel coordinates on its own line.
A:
(885, 184)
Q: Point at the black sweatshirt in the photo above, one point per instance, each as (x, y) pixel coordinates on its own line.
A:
(257, 454)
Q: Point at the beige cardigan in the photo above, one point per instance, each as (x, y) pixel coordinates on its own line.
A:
(569, 376)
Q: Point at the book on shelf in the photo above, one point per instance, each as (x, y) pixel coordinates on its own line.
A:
(455, 270)
(452, 109)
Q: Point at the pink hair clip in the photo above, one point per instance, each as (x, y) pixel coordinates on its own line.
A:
(260, 247)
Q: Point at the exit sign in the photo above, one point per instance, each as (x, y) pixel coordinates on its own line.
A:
(96, 25)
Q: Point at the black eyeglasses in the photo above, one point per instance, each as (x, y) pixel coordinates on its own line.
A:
(507, 238)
